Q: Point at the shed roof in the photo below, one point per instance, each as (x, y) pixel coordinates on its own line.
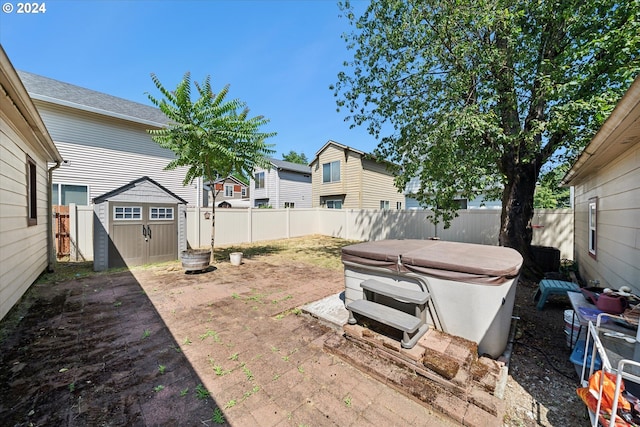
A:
(131, 185)
(57, 92)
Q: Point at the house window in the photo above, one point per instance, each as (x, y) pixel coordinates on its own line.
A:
(244, 192)
(462, 203)
(289, 205)
(259, 179)
(131, 213)
(261, 203)
(384, 204)
(161, 213)
(593, 223)
(32, 193)
(228, 190)
(64, 194)
(399, 205)
(334, 204)
(331, 172)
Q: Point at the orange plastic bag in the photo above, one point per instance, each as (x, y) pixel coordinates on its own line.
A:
(589, 396)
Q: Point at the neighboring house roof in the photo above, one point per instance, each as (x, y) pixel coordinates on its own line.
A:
(290, 166)
(228, 179)
(132, 184)
(618, 133)
(16, 92)
(337, 144)
(57, 92)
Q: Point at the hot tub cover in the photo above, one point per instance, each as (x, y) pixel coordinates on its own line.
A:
(481, 264)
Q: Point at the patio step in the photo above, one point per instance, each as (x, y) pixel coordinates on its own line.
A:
(399, 294)
(412, 327)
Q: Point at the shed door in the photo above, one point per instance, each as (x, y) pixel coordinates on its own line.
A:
(142, 233)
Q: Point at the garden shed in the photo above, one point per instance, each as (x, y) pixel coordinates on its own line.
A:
(139, 223)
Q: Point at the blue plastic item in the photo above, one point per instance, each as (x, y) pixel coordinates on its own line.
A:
(577, 356)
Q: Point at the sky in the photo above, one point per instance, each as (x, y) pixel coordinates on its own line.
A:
(278, 56)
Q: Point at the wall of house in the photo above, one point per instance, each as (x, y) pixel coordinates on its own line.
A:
(23, 248)
(350, 177)
(617, 187)
(294, 187)
(106, 153)
(377, 185)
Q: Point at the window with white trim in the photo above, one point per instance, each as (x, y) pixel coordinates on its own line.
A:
(228, 190)
(399, 205)
(63, 194)
(161, 213)
(384, 204)
(259, 179)
(244, 192)
(331, 172)
(127, 213)
(334, 204)
(593, 226)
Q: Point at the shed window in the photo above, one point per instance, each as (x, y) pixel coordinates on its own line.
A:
(331, 171)
(593, 209)
(161, 213)
(288, 205)
(32, 193)
(228, 190)
(259, 179)
(244, 192)
(127, 212)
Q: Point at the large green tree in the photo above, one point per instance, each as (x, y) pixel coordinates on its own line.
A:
(476, 95)
(295, 157)
(212, 136)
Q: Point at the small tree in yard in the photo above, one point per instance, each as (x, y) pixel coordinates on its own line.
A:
(470, 95)
(212, 136)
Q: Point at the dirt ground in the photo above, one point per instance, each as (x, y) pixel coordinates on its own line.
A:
(156, 346)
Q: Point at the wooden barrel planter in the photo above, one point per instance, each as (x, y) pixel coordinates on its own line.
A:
(196, 259)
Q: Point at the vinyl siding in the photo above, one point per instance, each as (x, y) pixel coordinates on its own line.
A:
(617, 188)
(377, 185)
(23, 248)
(330, 154)
(105, 153)
(296, 188)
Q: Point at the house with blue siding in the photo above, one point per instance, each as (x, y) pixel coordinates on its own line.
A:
(104, 142)
(283, 185)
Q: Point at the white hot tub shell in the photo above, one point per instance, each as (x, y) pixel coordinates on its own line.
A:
(472, 286)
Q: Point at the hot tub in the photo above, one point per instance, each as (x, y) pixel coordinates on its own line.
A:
(472, 286)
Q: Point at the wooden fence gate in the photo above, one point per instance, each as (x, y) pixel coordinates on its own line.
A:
(61, 230)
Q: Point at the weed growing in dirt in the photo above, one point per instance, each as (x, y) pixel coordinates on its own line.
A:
(230, 404)
(161, 369)
(347, 401)
(158, 388)
(247, 373)
(187, 341)
(72, 387)
(234, 357)
(275, 377)
(146, 334)
(301, 369)
(117, 303)
(274, 349)
(184, 392)
(201, 392)
(248, 394)
(212, 334)
(218, 417)
(235, 296)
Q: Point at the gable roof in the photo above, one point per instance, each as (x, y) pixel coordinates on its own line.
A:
(16, 93)
(132, 184)
(619, 133)
(290, 166)
(57, 92)
(230, 178)
(341, 146)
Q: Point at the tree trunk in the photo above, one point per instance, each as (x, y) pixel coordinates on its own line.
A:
(517, 211)
(213, 227)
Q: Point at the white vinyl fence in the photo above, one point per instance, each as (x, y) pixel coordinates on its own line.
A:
(552, 227)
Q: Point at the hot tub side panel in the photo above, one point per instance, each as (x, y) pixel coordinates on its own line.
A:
(480, 313)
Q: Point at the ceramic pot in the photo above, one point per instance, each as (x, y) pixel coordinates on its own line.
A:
(611, 303)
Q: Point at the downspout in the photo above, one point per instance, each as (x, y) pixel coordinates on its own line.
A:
(50, 240)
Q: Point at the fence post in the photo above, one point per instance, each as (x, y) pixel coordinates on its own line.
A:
(73, 232)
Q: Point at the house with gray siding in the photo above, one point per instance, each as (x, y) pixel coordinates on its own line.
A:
(283, 185)
(104, 142)
(606, 199)
(28, 158)
(228, 192)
